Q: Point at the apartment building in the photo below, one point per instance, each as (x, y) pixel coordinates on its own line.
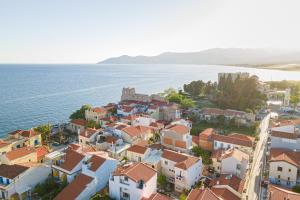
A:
(133, 181)
(182, 170)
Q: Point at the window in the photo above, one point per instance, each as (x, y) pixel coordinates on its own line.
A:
(290, 170)
(279, 169)
(1, 180)
(216, 144)
(238, 166)
(279, 176)
(126, 178)
(166, 162)
(288, 178)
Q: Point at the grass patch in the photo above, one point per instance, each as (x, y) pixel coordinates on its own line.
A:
(223, 129)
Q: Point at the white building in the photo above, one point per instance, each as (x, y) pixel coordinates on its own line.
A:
(18, 181)
(181, 169)
(232, 161)
(134, 182)
(284, 167)
(95, 174)
(285, 137)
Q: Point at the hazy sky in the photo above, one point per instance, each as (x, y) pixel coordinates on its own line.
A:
(87, 31)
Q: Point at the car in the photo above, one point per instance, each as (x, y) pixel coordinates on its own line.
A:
(264, 183)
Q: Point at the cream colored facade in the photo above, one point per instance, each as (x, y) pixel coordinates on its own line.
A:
(95, 116)
(137, 157)
(283, 173)
(32, 157)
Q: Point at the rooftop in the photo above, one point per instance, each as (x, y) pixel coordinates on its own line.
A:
(136, 172)
(20, 152)
(74, 189)
(231, 180)
(278, 193)
(11, 171)
(202, 194)
(137, 149)
(289, 156)
(183, 161)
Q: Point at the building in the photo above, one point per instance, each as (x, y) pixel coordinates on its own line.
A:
(68, 165)
(234, 140)
(284, 166)
(18, 182)
(5, 147)
(157, 196)
(182, 170)
(134, 182)
(239, 117)
(228, 186)
(232, 161)
(277, 193)
(133, 134)
(169, 112)
(177, 137)
(137, 153)
(202, 194)
(27, 138)
(183, 122)
(77, 125)
(88, 136)
(96, 114)
(285, 137)
(95, 174)
(205, 139)
(19, 156)
(129, 94)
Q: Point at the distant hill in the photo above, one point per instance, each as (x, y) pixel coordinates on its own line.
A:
(230, 56)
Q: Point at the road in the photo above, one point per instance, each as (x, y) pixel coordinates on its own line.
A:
(254, 178)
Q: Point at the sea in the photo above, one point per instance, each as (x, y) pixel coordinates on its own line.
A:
(33, 94)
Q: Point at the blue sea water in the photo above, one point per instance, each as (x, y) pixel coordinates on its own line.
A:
(35, 94)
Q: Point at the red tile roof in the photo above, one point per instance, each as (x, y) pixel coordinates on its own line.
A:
(183, 161)
(20, 152)
(231, 180)
(25, 133)
(286, 135)
(137, 149)
(136, 172)
(88, 132)
(72, 158)
(41, 152)
(180, 129)
(134, 131)
(99, 110)
(207, 133)
(157, 196)
(80, 122)
(96, 162)
(235, 138)
(289, 156)
(74, 189)
(3, 144)
(202, 194)
(111, 139)
(278, 193)
(225, 194)
(11, 171)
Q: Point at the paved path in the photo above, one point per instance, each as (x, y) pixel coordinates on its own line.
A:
(253, 184)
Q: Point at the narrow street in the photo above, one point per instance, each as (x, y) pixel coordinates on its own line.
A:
(255, 175)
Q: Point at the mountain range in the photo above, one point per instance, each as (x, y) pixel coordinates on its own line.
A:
(219, 56)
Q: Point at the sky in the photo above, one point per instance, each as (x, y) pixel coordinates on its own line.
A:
(88, 31)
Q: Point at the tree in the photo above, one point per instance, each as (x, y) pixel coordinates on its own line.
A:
(93, 124)
(187, 103)
(205, 155)
(296, 188)
(294, 100)
(182, 196)
(162, 181)
(80, 114)
(45, 130)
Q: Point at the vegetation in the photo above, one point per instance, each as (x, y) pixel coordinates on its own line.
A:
(205, 155)
(241, 94)
(45, 130)
(293, 85)
(101, 197)
(80, 114)
(223, 128)
(162, 181)
(49, 189)
(93, 124)
(296, 189)
(200, 88)
(180, 99)
(183, 196)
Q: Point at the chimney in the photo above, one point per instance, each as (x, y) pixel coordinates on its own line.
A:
(218, 182)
